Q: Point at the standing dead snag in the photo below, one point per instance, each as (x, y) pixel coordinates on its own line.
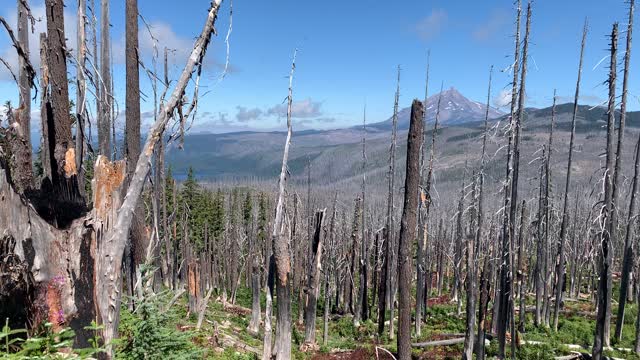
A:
(104, 82)
(472, 264)
(565, 216)
(132, 131)
(61, 148)
(281, 245)
(364, 253)
(511, 196)
(422, 217)
(604, 288)
(386, 294)
(81, 92)
(627, 262)
(23, 173)
(313, 284)
(408, 229)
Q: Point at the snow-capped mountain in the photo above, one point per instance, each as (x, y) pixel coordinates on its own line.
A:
(454, 109)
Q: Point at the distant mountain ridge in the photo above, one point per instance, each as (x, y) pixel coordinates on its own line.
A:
(335, 155)
(455, 109)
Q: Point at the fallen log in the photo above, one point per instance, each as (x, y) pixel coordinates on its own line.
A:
(439, 342)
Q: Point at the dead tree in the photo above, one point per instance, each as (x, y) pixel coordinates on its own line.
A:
(473, 249)
(627, 261)
(81, 93)
(408, 229)
(565, 216)
(386, 295)
(329, 268)
(630, 223)
(23, 173)
(313, 281)
(541, 270)
(511, 193)
(605, 258)
(132, 129)
(422, 218)
(104, 82)
(364, 253)
(281, 245)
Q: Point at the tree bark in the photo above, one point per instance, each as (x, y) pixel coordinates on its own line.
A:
(408, 229)
(23, 172)
(313, 283)
(104, 82)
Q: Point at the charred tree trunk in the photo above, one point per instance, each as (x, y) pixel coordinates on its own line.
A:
(605, 258)
(23, 172)
(132, 130)
(627, 261)
(364, 253)
(388, 261)
(408, 229)
(104, 82)
(422, 216)
(565, 216)
(313, 284)
(472, 258)
(511, 193)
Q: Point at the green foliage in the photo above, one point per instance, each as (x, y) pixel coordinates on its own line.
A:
(48, 345)
(151, 334)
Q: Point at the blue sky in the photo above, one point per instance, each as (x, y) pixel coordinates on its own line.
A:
(349, 51)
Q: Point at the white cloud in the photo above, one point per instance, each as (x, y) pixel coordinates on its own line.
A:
(299, 109)
(502, 99)
(245, 115)
(431, 26)
(496, 21)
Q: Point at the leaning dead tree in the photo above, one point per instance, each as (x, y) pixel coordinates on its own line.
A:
(408, 224)
(76, 260)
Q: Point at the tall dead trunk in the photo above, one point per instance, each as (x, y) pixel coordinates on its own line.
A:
(313, 283)
(81, 93)
(104, 82)
(605, 258)
(473, 252)
(422, 219)
(627, 261)
(408, 229)
(281, 246)
(511, 193)
(364, 253)
(386, 276)
(132, 129)
(565, 216)
(23, 173)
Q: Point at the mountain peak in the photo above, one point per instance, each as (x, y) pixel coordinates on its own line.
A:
(455, 108)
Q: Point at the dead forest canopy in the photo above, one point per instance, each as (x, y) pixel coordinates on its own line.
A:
(520, 251)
